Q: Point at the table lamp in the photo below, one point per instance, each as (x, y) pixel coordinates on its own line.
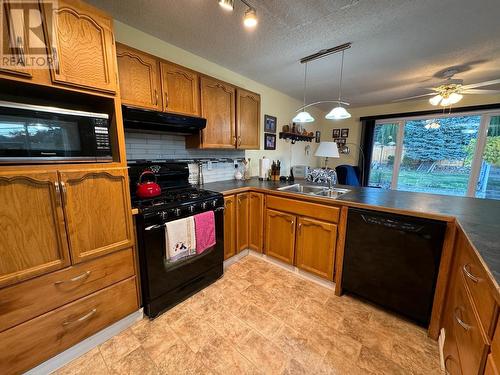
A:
(327, 150)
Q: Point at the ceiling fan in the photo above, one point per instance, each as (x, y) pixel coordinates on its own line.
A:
(452, 91)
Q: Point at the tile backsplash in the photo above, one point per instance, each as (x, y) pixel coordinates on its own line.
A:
(170, 146)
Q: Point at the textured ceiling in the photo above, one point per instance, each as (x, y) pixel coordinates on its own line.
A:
(399, 46)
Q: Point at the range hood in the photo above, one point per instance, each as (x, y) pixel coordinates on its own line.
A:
(142, 119)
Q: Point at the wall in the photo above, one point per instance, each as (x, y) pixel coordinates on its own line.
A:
(273, 102)
(354, 124)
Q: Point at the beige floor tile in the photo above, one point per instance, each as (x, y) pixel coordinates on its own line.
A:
(202, 304)
(375, 362)
(180, 360)
(175, 313)
(134, 363)
(263, 353)
(229, 326)
(119, 346)
(89, 363)
(194, 331)
(419, 361)
(259, 297)
(260, 320)
(318, 313)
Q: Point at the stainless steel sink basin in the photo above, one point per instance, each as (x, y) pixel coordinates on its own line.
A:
(320, 191)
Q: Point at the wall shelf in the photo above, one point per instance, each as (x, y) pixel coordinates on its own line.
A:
(294, 137)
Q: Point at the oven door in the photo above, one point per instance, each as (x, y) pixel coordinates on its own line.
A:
(39, 134)
(160, 277)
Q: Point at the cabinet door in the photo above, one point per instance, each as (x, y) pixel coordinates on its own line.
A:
(316, 242)
(14, 48)
(229, 226)
(248, 120)
(256, 221)
(81, 46)
(280, 235)
(181, 89)
(97, 211)
(32, 235)
(217, 106)
(138, 74)
(242, 211)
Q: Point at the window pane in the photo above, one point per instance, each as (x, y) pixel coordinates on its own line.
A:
(437, 154)
(489, 177)
(384, 150)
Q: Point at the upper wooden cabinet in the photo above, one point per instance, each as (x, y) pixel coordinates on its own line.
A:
(255, 221)
(248, 119)
(229, 226)
(218, 107)
(180, 89)
(81, 46)
(280, 235)
(138, 78)
(97, 211)
(315, 247)
(32, 238)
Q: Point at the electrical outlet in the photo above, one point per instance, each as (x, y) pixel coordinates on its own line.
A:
(209, 166)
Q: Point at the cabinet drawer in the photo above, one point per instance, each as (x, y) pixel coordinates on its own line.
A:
(476, 280)
(314, 210)
(34, 297)
(491, 368)
(37, 340)
(471, 341)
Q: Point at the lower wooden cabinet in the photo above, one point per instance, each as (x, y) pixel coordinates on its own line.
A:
(229, 226)
(256, 221)
(36, 340)
(242, 212)
(315, 247)
(280, 235)
(491, 368)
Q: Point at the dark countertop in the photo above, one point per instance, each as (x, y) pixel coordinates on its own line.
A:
(479, 218)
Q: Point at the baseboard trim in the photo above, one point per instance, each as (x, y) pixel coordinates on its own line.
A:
(235, 258)
(86, 345)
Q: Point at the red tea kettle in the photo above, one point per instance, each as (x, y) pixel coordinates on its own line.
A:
(148, 189)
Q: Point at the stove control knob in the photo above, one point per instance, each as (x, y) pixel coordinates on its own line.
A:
(214, 203)
(177, 212)
(191, 208)
(204, 205)
(164, 215)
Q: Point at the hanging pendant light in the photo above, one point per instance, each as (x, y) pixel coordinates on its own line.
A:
(304, 116)
(227, 4)
(339, 112)
(250, 19)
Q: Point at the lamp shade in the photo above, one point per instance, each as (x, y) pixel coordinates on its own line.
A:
(338, 113)
(303, 117)
(327, 150)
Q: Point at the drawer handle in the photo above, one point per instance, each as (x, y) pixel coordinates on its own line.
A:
(83, 276)
(81, 319)
(446, 371)
(469, 274)
(464, 325)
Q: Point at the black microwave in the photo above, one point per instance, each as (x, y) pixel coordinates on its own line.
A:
(38, 134)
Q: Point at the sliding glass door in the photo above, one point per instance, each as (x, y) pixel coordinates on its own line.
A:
(455, 154)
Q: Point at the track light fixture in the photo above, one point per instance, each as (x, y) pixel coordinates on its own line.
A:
(250, 19)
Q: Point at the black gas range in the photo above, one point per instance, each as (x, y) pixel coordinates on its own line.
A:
(166, 284)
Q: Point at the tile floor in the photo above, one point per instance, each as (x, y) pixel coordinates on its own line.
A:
(262, 319)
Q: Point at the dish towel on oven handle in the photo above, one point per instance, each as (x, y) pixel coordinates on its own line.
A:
(180, 237)
(205, 231)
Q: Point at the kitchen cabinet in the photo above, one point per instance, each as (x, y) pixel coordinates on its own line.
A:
(255, 221)
(315, 247)
(33, 239)
(280, 235)
(218, 107)
(248, 119)
(138, 74)
(242, 212)
(97, 210)
(229, 226)
(81, 46)
(180, 89)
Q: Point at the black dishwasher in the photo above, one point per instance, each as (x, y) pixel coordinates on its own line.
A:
(393, 261)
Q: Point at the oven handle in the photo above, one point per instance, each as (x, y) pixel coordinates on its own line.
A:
(158, 226)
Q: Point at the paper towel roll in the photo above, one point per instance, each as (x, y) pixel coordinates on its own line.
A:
(264, 166)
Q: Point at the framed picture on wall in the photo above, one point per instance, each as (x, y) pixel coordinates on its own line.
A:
(269, 141)
(318, 136)
(344, 133)
(270, 124)
(336, 133)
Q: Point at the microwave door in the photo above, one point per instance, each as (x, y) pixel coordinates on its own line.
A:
(54, 138)
(13, 138)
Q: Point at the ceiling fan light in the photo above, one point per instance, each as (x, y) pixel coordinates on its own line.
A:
(445, 102)
(303, 117)
(455, 98)
(338, 113)
(227, 4)
(250, 19)
(435, 100)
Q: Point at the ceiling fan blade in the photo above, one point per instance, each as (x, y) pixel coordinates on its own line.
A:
(414, 97)
(481, 84)
(479, 91)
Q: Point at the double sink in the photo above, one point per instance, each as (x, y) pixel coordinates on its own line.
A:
(319, 191)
